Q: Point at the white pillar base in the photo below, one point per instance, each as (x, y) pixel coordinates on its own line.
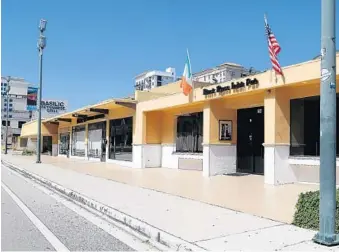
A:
(219, 159)
(147, 155)
(54, 150)
(277, 168)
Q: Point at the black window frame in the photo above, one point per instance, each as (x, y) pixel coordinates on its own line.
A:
(74, 151)
(189, 133)
(307, 130)
(120, 148)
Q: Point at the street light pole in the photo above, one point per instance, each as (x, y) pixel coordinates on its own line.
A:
(7, 108)
(41, 46)
(327, 209)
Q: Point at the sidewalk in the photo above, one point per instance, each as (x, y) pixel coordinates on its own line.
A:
(210, 227)
(247, 194)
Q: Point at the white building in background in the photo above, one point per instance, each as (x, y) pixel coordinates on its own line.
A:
(222, 73)
(50, 108)
(150, 79)
(17, 107)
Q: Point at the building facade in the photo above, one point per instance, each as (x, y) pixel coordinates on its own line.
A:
(17, 103)
(222, 73)
(51, 108)
(18, 114)
(152, 79)
(256, 124)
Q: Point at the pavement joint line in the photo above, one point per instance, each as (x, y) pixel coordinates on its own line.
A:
(53, 240)
(158, 235)
(289, 245)
(244, 232)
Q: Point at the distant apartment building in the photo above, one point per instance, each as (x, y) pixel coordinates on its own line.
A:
(17, 107)
(150, 79)
(18, 114)
(222, 73)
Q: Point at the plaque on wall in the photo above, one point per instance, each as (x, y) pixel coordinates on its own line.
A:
(225, 130)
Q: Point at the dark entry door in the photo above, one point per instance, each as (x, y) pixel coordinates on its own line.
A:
(47, 144)
(103, 143)
(250, 137)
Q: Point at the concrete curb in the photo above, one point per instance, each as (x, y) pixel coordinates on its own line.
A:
(160, 238)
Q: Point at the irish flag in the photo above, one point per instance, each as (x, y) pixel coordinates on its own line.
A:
(186, 81)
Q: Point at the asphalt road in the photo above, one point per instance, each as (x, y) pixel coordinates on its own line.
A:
(36, 219)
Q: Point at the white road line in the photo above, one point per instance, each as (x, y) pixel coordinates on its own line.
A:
(54, 241)
(116, 230)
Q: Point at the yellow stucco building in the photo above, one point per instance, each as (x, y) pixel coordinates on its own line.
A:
(257, 124)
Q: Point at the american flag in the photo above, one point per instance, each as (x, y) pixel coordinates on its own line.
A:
(273, 48)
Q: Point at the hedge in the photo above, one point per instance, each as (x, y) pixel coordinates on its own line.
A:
(307, 211)
(28, 152)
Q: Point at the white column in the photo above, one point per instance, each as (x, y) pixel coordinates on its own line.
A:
(277, 168)
(219, 159)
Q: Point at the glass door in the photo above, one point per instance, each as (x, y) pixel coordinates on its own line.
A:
(121, 133)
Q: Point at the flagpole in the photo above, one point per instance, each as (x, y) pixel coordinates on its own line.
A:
(189, 60)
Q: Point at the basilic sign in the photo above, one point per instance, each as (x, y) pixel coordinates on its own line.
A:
(233, 86)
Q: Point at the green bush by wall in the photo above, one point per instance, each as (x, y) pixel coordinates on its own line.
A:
(307, 211)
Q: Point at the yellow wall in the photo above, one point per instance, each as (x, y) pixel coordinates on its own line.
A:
(30, 129)
(157, 92)
(220, 111)
(154, 120)
(277, 110)
(277, 117)
(168, 128)
(165, 123)
(55, 139)
(153, 127)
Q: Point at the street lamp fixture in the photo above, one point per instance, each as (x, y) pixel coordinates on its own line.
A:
(42, 42)
(41, 47)
(42, 25)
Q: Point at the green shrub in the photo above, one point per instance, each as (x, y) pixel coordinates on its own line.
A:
(28, 152)
(307, 211)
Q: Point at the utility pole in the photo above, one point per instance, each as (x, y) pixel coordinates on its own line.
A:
(41, 46)
(327, 210)
(8, 88)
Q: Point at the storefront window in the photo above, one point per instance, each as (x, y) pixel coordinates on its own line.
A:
(305, 127)
(78, 141)
(46, 144)
(64, 143)
(96, 139)
(121, 133)
(189, 133)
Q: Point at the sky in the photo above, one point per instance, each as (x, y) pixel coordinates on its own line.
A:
(96, 48)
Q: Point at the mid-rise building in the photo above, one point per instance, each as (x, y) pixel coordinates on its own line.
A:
(18, 114)
(222, 73)
(17, 107)
(150, 79)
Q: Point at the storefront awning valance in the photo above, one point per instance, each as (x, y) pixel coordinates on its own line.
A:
(95, 111)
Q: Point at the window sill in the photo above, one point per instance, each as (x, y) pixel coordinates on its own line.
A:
(187, 153)
(306, 160)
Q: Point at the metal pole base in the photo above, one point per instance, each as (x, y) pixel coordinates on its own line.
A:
(327, 240)
(38, 161)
